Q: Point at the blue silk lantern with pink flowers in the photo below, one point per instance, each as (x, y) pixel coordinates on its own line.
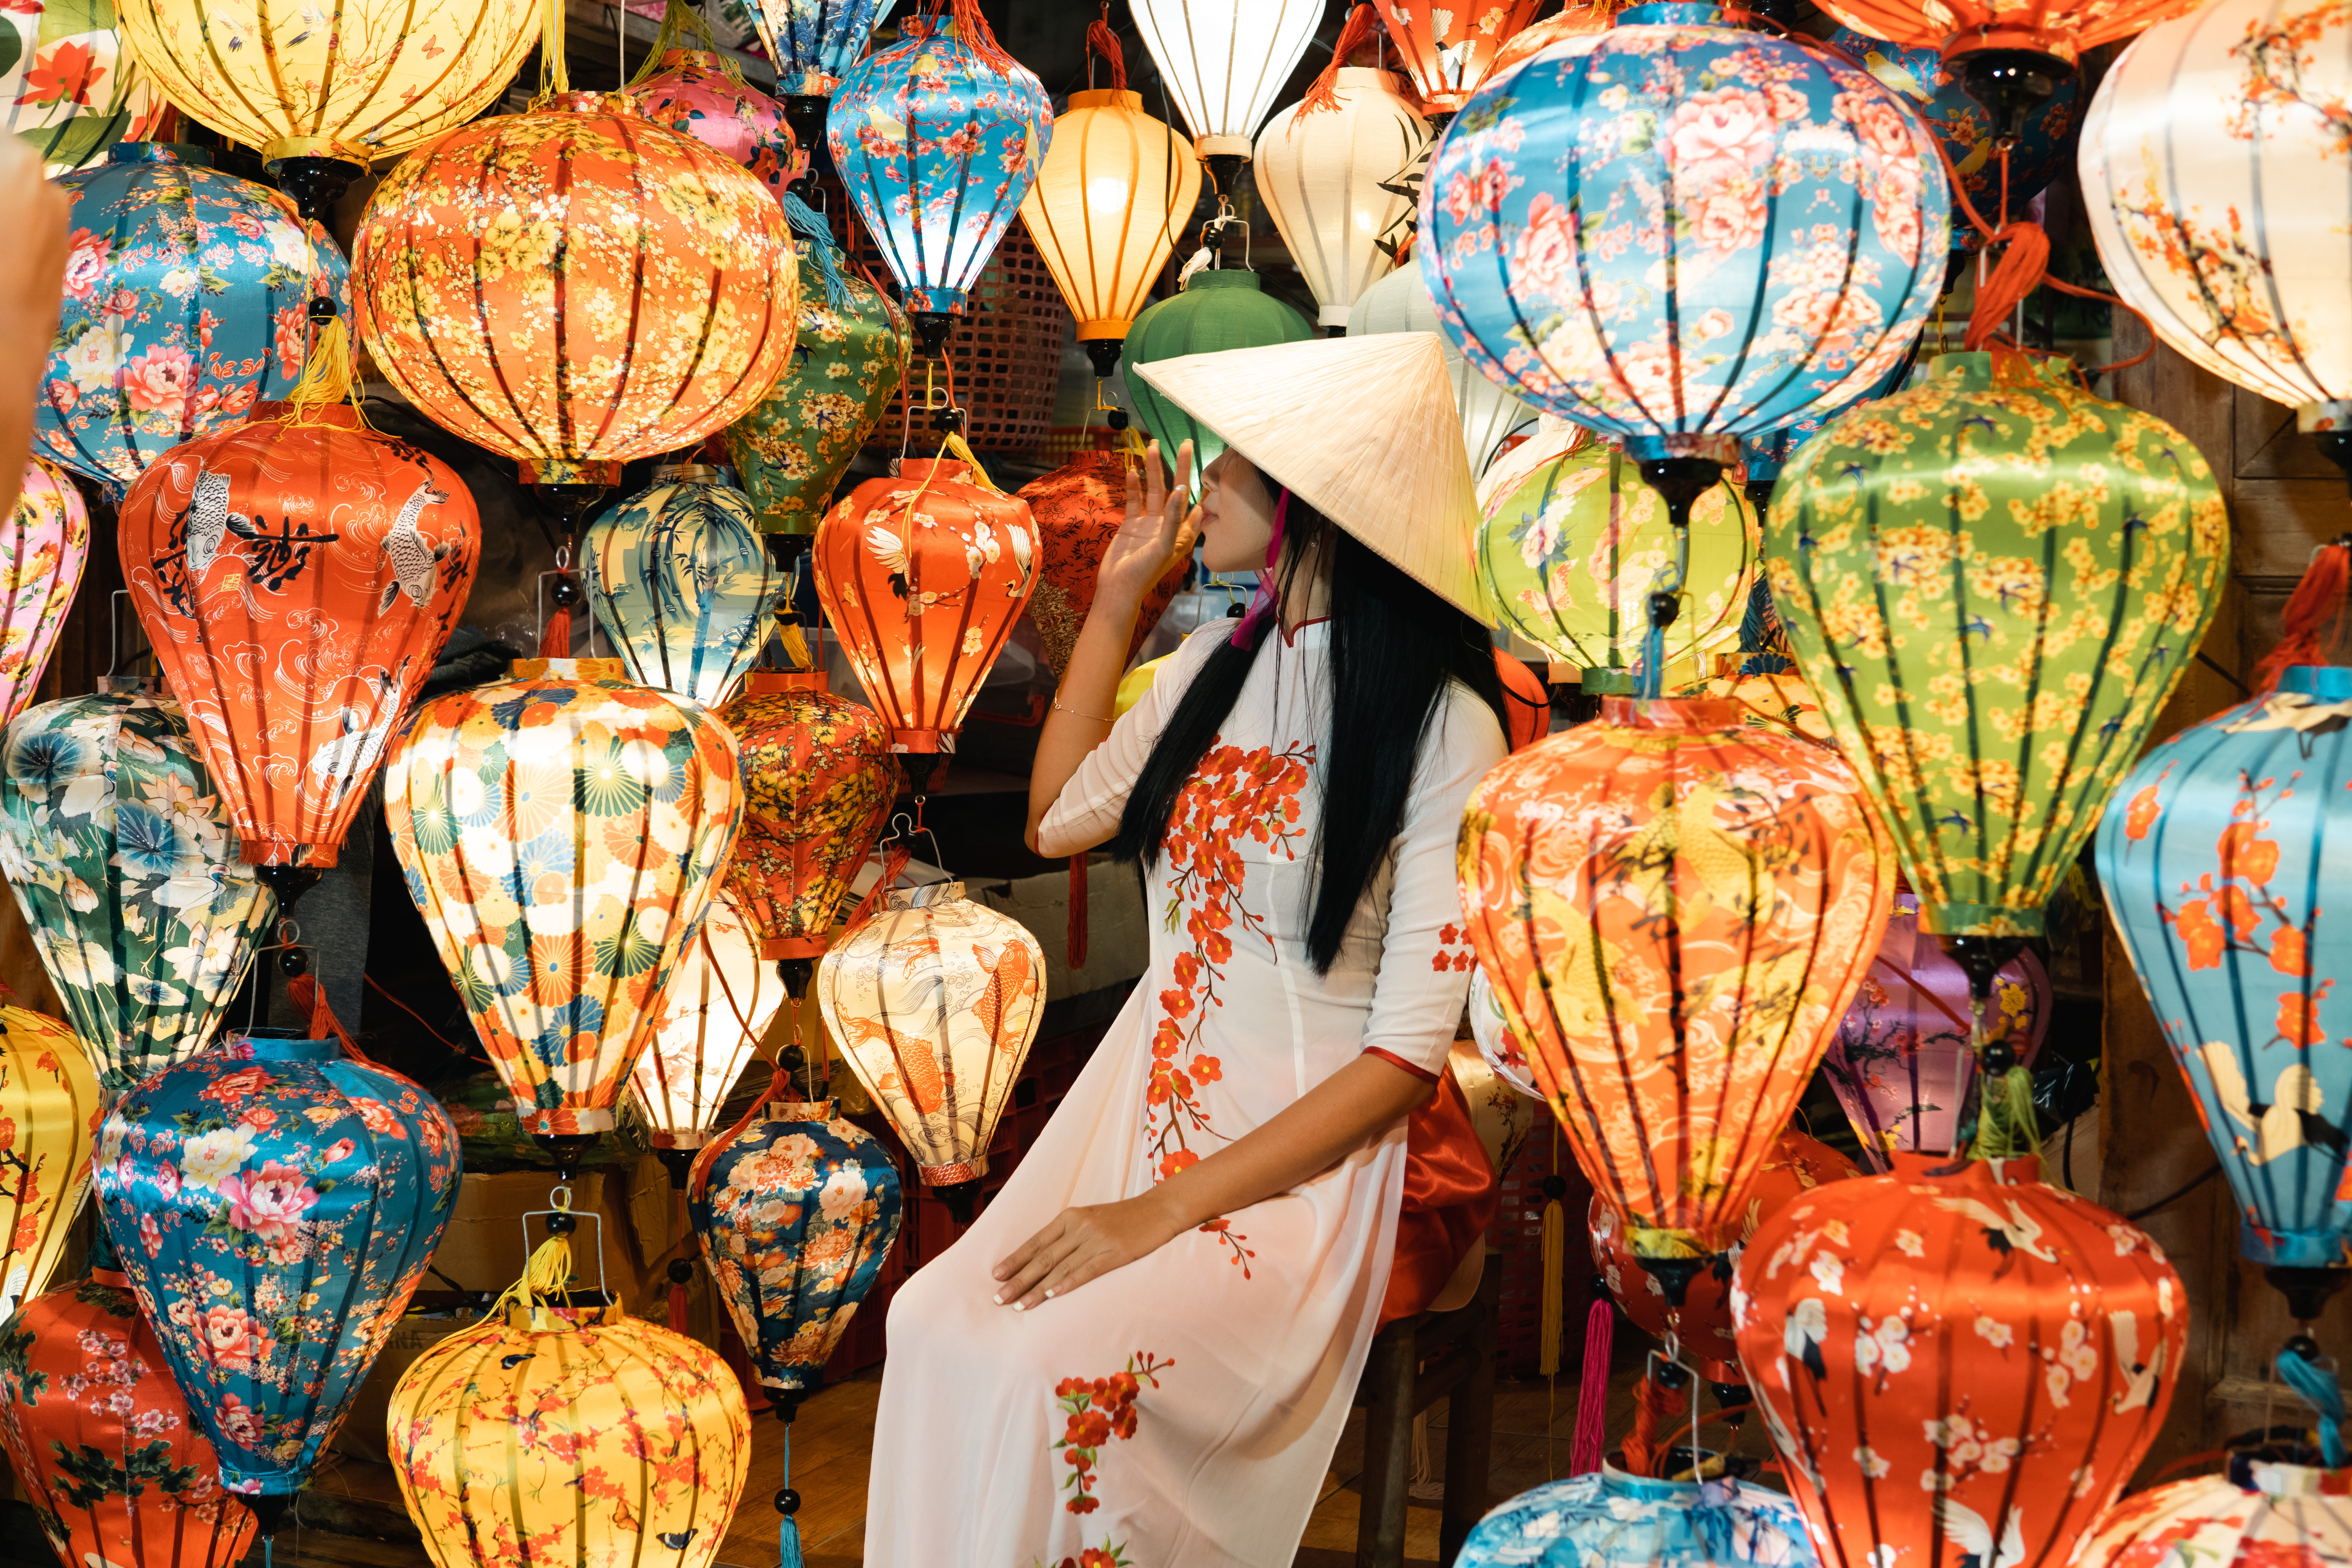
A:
(186, 305)
(938, 139)
(274, 1202)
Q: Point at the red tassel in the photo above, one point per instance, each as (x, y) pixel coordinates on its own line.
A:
(1078, 936)
(1104, 42)
(2318, 607)
(2024, 260)
(974, 29)
(1362, 23)
(555, 642)
(1591, 1439)
(1654, 1406)
(304, 993)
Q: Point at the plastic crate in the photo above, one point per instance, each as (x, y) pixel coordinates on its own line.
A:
(1515, 1244)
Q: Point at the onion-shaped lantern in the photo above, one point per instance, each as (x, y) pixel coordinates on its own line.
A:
(297, 578)
(275, 1202)
(1078, 508)
(72, 90)
(1959, 1366)
(1992, 606)
(682, 583)
(322, 99)
(1224, 61)
(1217, 309)
(634, 1450)
(922, 577)
(186, 295)
(697, 93)
(674, 264)
(126, 868)
(1400, 302)
(49, 1111)
(934, 1003)
(1450, 49)
(938, 139)
(1675, 911)
(714, 1010)
(2263, 1508)
(44, 546)
(102, 1440)
(1614, 1520)
(1903, 1062)
(796, 1212)
(1327, 174)
(563, 832)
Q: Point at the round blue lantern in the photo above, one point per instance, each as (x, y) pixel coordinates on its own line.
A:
(938, 139)
(1614, 1520)
(274, 1203)
(681, 582)
(796, 1212)
(1679, 233)
(187, 297)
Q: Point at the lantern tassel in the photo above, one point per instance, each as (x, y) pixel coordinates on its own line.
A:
(788, 1533)
(555, 642)
(1591, 1438)
(1362, 23)
(1102, 41)
(817, 249)
(2006, 1126)
(554, 74)
(2317, 607)
(683, 28)
(2318, 1390)
(1555, 1287)
(327, 373)
(956, 447)
(972, 28)
(1655, 1408)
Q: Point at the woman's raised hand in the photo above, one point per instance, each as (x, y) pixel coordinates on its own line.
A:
(1160, 525)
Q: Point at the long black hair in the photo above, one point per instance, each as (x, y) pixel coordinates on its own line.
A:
(1395, 649)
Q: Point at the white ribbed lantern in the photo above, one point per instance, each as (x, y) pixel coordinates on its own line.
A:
(714, 1010)
(1224, 61)
(1400, 302)
(1321, 172)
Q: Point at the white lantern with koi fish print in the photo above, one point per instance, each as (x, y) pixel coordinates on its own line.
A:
(934, 1003)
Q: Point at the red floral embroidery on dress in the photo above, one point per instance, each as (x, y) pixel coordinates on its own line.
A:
(1232, 795)
(1095, 1411)
(1453, 952)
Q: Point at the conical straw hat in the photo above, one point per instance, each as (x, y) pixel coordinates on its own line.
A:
(1362, 429)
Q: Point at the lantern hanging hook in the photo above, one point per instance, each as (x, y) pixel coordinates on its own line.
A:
(114, 628)
(562, 1219)
(1670, 1359)
(903, 829)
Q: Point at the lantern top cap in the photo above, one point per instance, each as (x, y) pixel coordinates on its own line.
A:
(1960, 1171)
(1674, 13)
(1691, 715)
(2280, 1477)
(1222, 277)
(160, 152)
(803, 1109)
(925, 897)
(2329, 682)
(567, 670)
(283, 1046)
(1107, 97)
(2005, 367)
(1615, 1482)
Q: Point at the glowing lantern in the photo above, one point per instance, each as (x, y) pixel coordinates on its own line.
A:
(185, 299)
(682, 583)
(934, 1003)
(49, 1111)
(796, 1212)
(1959, 1366)
(563, 832)
(1328, 175)
(274, 1203)
(101, 1438)
(1079, 507)
(1450, 49)
(44, 546)
(1675, 911)
(697, 93)
(1400, 302)
(1992, 43)
(1615, 1518)
(324, 101)
(637, 1453)
(123, 861)
(923, 578)
(297, 578)
(2263, 1508)
(72, 90)
(1224, 60)
(938, 139)
(1216, 309)
(1992, 609)
(715, 1009)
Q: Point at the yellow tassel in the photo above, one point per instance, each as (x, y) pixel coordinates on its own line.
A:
(796, 649)
(326, 374)
(956, 447)
(554, 75)
(1555, 1267)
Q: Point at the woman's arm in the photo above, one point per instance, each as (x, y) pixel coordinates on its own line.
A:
(1355, 1105)
(32, 280)
(1157, 534)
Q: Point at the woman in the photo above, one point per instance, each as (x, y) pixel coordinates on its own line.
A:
(1144, 1348)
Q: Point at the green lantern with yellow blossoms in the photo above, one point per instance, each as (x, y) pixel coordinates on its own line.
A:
(1994, 580)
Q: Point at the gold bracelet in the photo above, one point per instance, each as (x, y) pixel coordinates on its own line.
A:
(1075, 714)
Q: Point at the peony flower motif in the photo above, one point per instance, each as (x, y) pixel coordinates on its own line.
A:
(161, 381)
(231, 1339)
(211, 1156)
(86, 260)
(94, 357)
(270, 1201)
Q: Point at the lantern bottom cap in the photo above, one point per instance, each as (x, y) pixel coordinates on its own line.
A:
(679, 1141)
(795, 947)
(2294, 1248)
(567, 471)
(954, 1175)
(283, 148)
(1722, 450)
(568, 1123)
(1331, 316)
(1978, 919)
(1221, 146)
(2332, 414)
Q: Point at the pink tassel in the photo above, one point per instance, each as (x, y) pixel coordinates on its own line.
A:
(1585, 1449)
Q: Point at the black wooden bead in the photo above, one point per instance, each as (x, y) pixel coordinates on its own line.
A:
(788, 1501)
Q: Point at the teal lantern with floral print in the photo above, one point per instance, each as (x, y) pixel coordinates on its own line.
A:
(119, 850)
(274, 1203)
(682, 583)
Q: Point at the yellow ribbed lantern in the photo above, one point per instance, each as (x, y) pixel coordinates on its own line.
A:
(49, 1111)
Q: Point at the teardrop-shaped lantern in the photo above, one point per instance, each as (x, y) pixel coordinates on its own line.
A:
(1620, 1519)
(697, 93)
(185, 299)
(297, 578)
(1400, 302)
(814, 42)
(1079, 507)
(938, 139)
(74, 90)
(102, 1441)
(1762, 457)
(1960, 1365)
(123, 861)
(275, 1202)
(682, 583)
(933, 1004)
(1992, 606)
(2261, 1508)
(922, 577)
(1450, 49)
(43, 545)
(1329, 177)
(796, 1212)
(635, 1448)
(563, 832)
(714, 1010)
(1675, 911)
(1224, 308)
(1224, 60)
(49, 1112)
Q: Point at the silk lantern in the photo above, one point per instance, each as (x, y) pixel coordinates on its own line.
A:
(1400, 302)
(70, 89)
(102, 1441)
(297, 578)
(1223, 308)
(1904, 1059)
(933, 1003)
(44, 546)
(185, 298)
(679, 308)
(2194, 135)
(713, 1013)
(274, 1203)
(938, 139)
(1675, 911)
(636, 1447)
(796, 1212)
(1080, 507)
(1959, 1365)
(1992, 606)
(682, 583)
(1224, 60)
(1614, 1520)
(1762, 457)
(922, 577)
(2264, 1507)
(818, 782)
(1998, 46)
(125, 866)
(814, 43)
(49, 1111)
(697, 93)
(1575, 22)
(322, 99)
(1498, 1047)
(1327, 174)
(563, 832)
(1449, 50)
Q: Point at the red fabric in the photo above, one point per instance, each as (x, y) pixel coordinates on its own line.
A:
(1527, 704)
(1451, 1196)
(1393, 1059)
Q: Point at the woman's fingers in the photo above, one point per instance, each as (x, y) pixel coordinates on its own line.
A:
(1155, 489)
(1027, 1273)
(1012, 1262)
